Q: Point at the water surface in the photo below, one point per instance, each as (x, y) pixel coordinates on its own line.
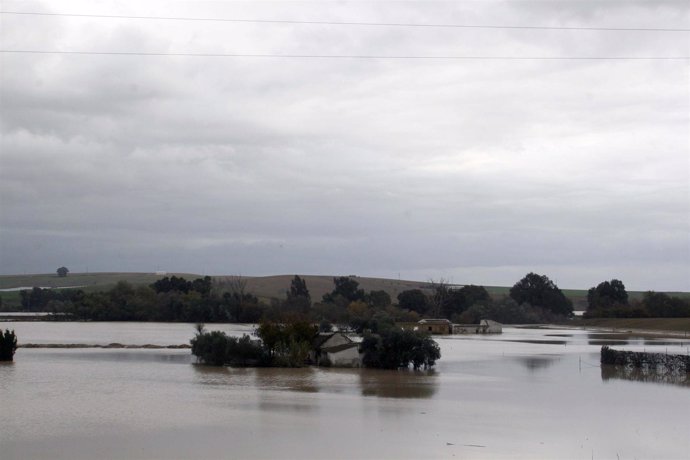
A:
(528, 393)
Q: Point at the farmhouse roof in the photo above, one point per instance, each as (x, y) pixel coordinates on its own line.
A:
(337, 348)
(434, 321)
(322, 337)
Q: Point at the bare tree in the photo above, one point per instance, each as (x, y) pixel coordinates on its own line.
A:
(237, 285)
(439, 297)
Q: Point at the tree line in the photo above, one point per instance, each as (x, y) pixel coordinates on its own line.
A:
(169, 299)
(609, 299)
(533, 299)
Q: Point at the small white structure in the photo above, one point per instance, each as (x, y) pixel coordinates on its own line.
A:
(485, 326)
(335, 348)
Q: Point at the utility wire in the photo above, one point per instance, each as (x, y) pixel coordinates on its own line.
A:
(337, 23)
(357, 56)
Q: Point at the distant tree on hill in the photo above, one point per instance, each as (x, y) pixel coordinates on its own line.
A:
(298, 297)
(62, 272)
(439, 299)
(540, 291)
(413, 299)
(178, 284)
(607, 294)
(457, 301)
(472, 294)
(379, 299)
(345, 288)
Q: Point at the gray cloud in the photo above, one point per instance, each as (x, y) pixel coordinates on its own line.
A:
(476, 171)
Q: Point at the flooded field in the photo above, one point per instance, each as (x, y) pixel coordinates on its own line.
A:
(527, 393)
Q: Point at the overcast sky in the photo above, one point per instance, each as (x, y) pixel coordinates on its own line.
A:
(474, 171)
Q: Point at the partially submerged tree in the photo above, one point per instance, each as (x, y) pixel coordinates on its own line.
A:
(8, 345)
(394, 348)
(218, 349)
(287, 344)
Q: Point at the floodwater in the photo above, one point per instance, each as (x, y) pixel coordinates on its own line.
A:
(527, 393)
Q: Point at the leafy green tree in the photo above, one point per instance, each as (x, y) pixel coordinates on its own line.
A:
(202, 285)
(174, 283)
(242, 307)
(413, 299)
(217, 348)
(472, 294)
(439, 300)
(540, 291)
(394, 348)
(504, 310)
(346, 288)
(457, 301)
(379, 299)
(38, 299)
(8, 345)
(272, 336)
(607, 294)
(298, 297)
(62, 272)
(243, 351)
(288, 343)
(663, 305)
(210, 347)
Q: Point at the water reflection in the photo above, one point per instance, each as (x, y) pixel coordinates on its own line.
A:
(398, 384)
(538, 342)
(212, 375)
(115, 356)
(6, 374)
(287, 379)
(367, 382)
(537, 363)
(598, 339)
(626, 338)
(611, 372)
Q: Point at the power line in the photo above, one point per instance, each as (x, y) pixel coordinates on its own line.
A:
(356, 56)
(350, 23)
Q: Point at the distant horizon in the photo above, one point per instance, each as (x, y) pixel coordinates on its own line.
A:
(429, 280)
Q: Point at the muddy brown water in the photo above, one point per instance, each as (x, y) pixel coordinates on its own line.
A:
(517, 395)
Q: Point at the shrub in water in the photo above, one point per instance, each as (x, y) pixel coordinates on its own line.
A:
(8, 345)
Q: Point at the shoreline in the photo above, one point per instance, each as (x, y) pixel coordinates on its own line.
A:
(621, 330)
(108, 346)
